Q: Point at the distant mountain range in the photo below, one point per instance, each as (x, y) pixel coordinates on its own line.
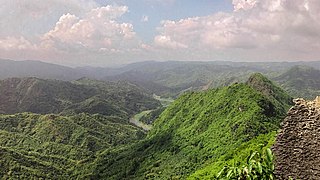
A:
(301, 81)
(167, 78)
(9, 68)
(84, 95)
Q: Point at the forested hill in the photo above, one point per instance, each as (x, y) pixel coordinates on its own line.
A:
(84, 95)
(34, 146)
(200, 132)
(301, 81)
(76, 121)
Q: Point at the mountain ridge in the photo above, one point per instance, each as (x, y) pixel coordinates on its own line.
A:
(301, 81)
(194, 132)
(55, 96)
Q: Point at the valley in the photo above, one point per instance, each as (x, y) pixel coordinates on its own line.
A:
(189, 125)
(136, 120)
(160, 90)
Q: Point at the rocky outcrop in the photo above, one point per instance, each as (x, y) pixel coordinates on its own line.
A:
(318, 101)
(297, 147)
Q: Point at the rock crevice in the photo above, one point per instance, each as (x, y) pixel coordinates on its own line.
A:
(297, 147)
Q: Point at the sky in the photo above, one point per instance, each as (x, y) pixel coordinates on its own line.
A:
(112, 32)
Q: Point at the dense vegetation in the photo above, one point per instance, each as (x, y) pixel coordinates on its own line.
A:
(172, 78)
(200, 132)
(151, 116)
(58, 147)
(195, 137)
(84, 95)
(258, 166)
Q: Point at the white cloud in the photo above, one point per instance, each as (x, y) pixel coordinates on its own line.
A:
(33, 17)
(166, 42)
(257, 29)
(243, 4)
(90, 32)
(98, 29)
(81, 31)
(12, 43)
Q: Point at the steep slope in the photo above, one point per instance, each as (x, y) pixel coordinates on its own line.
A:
(301, 81)
(53, 96)
(270, 90)
(200, 130)
(36, 146)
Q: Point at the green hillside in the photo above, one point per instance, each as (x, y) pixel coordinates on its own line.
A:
(89, 96)
(192, 138)
(171, 78)
(301, 81)
(200, 132)
(34, 146)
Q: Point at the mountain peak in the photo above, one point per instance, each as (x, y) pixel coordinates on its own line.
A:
(262, 84)
(257, 79)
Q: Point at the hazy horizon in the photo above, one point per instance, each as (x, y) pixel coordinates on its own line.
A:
(299, 62)
(108, 33)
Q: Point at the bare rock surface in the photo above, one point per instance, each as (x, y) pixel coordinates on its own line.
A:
(297, 147)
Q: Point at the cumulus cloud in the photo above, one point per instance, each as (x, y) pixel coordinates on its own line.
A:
(166, 42)
(83, 30)
(77, 31)
(277, 28)
(97, 30)
(12, 43)
(243, 4)
(33, 17)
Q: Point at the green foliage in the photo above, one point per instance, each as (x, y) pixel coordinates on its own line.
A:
(151, 116)
(88, 96)
(258, 166)
(173, 78)
(270, 90)
(194, 137)
(197, 130)
(239, 155)
(165, 102)
(58, 147)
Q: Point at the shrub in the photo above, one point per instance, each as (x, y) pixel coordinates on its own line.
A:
(258, 166)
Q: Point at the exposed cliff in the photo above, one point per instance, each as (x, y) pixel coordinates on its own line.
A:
(297, 147)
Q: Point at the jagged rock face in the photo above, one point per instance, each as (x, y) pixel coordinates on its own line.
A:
(297, 147)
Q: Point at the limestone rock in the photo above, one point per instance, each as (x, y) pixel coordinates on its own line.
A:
(318, 102)
(297, 147)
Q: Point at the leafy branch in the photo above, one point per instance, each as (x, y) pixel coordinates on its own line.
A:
(258, 166)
